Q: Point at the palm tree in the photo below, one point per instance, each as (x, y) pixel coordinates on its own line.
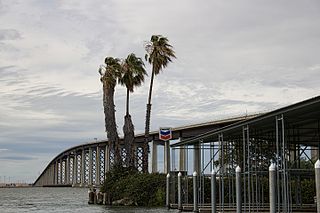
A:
(110, 72)
(159, 54)
(133, 73)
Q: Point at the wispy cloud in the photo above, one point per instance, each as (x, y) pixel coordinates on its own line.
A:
(9, 34)
(17, 158)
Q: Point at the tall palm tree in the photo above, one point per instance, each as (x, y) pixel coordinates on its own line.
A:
(110, 72)
(133, 73)
(159, 54)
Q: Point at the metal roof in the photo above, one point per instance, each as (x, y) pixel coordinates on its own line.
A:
(302, 117)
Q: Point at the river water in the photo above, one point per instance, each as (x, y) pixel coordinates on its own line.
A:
(15, 200)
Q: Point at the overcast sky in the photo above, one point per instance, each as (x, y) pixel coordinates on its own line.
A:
(233, 58)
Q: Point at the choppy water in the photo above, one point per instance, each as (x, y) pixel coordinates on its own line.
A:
(16, 200)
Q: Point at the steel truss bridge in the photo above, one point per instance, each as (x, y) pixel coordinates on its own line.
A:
(86, 164)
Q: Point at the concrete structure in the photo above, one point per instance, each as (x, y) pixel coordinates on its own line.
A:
(86, 164)
(285, 136)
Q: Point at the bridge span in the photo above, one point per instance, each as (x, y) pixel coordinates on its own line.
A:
(86, 164)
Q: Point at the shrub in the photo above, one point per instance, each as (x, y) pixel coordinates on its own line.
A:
(142, 189)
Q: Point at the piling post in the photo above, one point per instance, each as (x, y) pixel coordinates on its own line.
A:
(238, 189)
(272, 187)
(317, 176)
(195, 192)
(168, 191)
(213, 192)
(179, 191)
(91, 196)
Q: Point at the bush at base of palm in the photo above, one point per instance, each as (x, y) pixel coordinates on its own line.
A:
(143, 189)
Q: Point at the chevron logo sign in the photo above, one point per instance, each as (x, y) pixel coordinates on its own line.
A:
(165, 133)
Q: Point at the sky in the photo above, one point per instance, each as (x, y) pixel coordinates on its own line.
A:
(233, 58)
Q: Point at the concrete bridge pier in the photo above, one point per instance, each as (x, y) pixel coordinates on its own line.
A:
(154, 157)
(197, 159)
(98, 166)
(67, 167)
(167, 157)
(82, 182)
(182, 157)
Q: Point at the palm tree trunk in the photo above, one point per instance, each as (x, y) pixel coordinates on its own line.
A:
(128, 131)
(147, 127)
(128, 102)
(110, 122)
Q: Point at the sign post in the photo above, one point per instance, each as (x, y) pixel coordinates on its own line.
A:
(165, 134)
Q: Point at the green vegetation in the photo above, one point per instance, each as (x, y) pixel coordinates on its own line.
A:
(141, 189)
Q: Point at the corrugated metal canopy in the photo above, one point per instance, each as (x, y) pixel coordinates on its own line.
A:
(302, 125)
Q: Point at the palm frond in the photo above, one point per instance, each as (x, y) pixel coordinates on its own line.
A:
(162, 53)
(132, 72)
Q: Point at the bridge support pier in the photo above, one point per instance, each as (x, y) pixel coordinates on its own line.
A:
(182, 158)
(67, 166)
(107, 159)
(75, 168)
(154, 157)
(196, 159)
(82, 182)
(166, 157)
(98, 166)
(90, 167)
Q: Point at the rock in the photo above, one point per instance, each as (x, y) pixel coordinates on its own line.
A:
(123, 202)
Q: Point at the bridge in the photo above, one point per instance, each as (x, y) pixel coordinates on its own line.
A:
(86, 164)
(254, 163)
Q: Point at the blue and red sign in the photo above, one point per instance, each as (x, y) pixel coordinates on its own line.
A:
(165, 134)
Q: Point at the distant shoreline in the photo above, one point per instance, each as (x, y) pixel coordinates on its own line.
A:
(16, 186)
